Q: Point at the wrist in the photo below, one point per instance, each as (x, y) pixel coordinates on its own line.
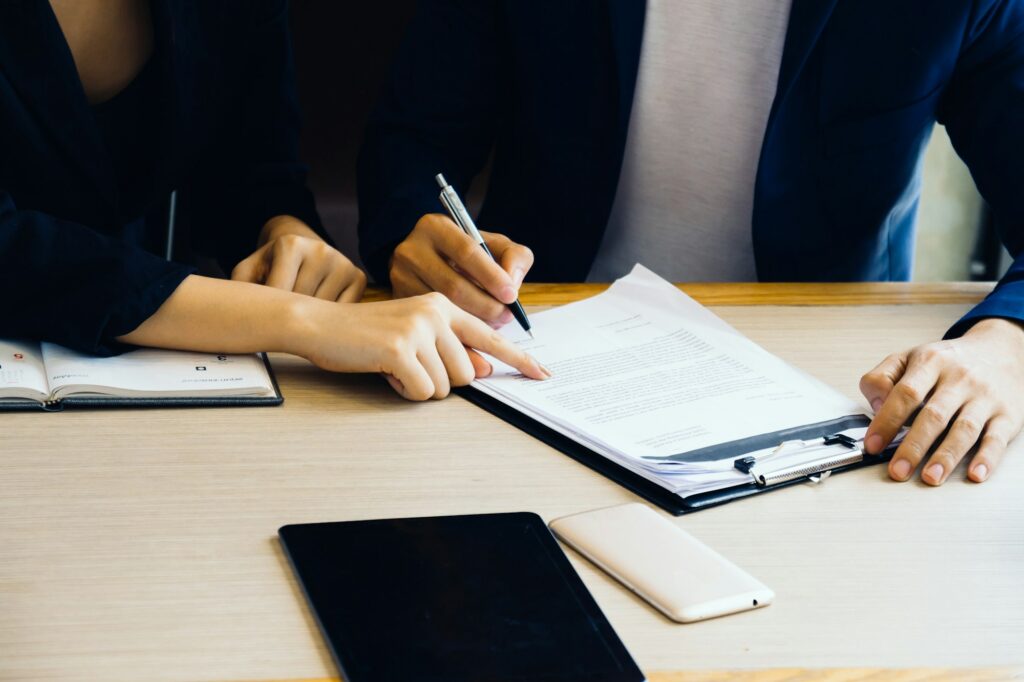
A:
(1010, 330)
(293, 327)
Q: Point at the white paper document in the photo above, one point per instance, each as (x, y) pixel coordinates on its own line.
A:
(22, 374)
(642, 372)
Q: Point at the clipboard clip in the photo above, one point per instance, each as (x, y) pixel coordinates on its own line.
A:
(823, 456)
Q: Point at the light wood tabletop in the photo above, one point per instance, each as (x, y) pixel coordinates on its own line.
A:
(141, 545)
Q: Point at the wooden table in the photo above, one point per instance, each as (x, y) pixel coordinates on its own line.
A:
(142, 545)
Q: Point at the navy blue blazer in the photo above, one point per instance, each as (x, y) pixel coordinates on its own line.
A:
(547, 87)
(73, 267)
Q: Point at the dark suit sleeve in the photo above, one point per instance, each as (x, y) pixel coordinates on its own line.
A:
(438, 114)
(258, 174)
(983, 110)
(65, 283)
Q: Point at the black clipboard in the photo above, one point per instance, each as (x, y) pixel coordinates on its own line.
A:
(652, 492)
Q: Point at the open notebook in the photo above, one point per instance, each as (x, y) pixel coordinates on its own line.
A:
(48, 376)
(653, 390)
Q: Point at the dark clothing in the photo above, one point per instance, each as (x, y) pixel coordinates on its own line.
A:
(547, 86)
(84, 190)
(131, 126)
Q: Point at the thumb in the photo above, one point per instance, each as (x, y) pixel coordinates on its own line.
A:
(515, 259)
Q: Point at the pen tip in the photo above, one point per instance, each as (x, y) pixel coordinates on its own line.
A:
(531, 335)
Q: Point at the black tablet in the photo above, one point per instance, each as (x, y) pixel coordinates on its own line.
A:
(453, 599)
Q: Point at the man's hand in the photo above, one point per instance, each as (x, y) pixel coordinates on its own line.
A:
(293, 257)
(965, 392)
(438, 256)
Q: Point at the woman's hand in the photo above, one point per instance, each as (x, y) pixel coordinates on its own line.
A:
(294, 258)
(965, 393)
(419, 344)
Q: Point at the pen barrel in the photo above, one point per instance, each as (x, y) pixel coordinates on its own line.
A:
(515, 307)
(520, 315)
(457, 210)
(460, 215)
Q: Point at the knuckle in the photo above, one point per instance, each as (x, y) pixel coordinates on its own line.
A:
(457, 295)
(871, 379)
(428, 222)
(495, 338)
(463, 376)
(913, 449)
(946, 457)
(967, 426)
(434, 301)
(466, 251)
(975, 384)
(400, 285)
(993, 441)
(932, 353)
(395, 347)
(892, 422)
(402, 255)
(933, 416)
(908, 393)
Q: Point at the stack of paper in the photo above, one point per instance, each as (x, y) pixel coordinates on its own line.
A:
(649, 378)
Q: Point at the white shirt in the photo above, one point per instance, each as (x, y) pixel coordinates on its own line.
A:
(705, 87)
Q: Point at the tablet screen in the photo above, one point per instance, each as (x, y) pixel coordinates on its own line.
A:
(458, 598)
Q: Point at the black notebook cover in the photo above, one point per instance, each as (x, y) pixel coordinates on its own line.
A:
(652, 492)
(101, 401)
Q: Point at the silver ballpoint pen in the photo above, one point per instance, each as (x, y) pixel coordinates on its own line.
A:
(461, 216)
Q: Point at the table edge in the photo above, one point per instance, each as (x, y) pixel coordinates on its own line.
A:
(977, 674)
(772, 293)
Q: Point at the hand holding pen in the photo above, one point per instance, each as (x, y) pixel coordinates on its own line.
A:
(461, 216)
(438, 256)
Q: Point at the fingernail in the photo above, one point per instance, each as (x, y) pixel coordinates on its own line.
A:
(508, 295)
(517, 277)
(901, 469)
(874, 444)
(545, 371)
(876, 404)
(980, 472)
(487, 370)
(934, 473)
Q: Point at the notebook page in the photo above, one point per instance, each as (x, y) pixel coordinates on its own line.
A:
(155, 373)
(22, 374)
(645, 371)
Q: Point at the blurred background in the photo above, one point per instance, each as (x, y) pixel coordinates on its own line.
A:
(343, 51)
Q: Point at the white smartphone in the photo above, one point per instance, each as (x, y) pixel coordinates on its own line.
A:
(666, 566)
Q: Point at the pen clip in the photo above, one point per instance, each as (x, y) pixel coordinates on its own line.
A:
(458, 213)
